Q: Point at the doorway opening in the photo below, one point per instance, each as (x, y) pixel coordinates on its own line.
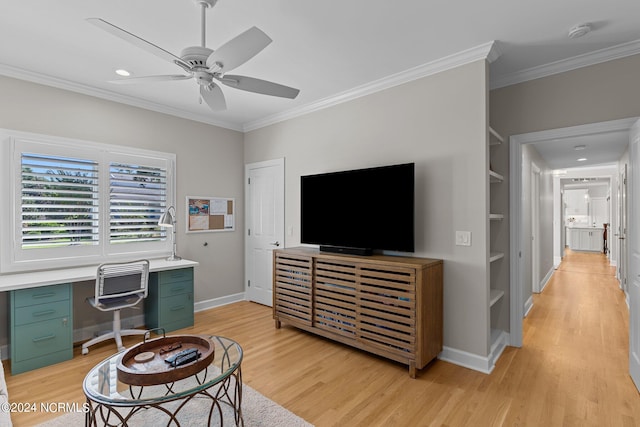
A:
(522, 154)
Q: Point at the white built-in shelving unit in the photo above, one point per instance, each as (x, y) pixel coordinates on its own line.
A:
(497, 340)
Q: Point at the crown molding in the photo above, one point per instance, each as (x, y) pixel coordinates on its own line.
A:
(580, 61)
(574, 131)
(20, 74)
(487, 51)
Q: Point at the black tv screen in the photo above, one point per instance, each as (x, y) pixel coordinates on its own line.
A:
(363, 209)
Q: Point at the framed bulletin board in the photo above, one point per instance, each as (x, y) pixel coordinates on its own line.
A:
(206, 214)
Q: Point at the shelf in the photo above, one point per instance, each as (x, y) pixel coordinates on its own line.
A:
(496, 217)
(494, 256)
(494, 137)
(495, 177)
(494, 296)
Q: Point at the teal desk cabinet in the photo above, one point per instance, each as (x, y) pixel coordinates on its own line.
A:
(169, 304)
(41, 326)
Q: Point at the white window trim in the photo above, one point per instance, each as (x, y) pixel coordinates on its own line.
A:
(10, 210)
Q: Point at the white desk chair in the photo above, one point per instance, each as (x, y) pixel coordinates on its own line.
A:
(119, 285)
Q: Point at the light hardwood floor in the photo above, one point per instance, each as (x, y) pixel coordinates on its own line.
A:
(571, 371)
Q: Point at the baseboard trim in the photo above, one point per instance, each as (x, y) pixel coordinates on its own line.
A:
(500, 340)
(556, 261)
(218, 302)
(528, 306)
(473, 361)
(546, 279)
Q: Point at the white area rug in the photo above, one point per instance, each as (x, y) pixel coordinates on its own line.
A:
(257, 411)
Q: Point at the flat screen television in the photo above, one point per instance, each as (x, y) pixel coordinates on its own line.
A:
(359, 211)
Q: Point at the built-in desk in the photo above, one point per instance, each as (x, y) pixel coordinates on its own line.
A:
(41, 308)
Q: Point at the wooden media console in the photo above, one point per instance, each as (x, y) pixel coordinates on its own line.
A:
(387, 305)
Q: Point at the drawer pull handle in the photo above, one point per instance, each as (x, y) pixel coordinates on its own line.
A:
(43, 313)
(45, 295)
(177, 308)
(47, 337)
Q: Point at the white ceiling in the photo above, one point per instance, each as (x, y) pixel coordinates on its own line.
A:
(599, 148)
(328, 49)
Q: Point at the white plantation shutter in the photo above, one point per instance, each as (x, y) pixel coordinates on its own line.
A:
(59, 201)
(138, 196)
(72, 203)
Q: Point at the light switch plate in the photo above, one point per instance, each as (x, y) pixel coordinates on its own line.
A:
(463, 238)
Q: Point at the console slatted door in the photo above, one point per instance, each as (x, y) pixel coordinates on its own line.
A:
(387, 302)
(293, 287)
(335, 297)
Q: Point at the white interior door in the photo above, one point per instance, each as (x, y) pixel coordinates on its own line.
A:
(633, 267)
(535, 228)
(264, 195)
(622, 232)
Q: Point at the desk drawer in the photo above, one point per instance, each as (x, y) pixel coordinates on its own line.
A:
(176, 307)
(42, 338)
(173, 289)
(172, 276)
(41, 295)
(41, 312)
(175, 312)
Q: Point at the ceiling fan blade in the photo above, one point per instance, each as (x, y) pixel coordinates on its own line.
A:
(264, 87)
(213, 96)
(150, 79)
(239, 50)
(138, 42)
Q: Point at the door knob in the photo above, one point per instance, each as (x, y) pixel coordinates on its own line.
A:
(276, 243)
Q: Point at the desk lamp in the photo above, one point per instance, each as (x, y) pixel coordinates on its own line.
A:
(168, 220)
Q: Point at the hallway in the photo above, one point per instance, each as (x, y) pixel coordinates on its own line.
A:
(576, 337)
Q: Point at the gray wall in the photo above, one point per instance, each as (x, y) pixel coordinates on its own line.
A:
(209, 163)
(439, 122)
(545, 256)
(598, 93)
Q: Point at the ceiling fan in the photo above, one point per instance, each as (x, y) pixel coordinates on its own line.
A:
(206, 66)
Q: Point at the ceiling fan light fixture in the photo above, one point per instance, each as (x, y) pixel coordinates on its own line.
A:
(204, 64)
(579, 31)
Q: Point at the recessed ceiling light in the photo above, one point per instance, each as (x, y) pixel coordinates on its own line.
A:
(582, 159)
(579, 147)
(579, 31)
(123, 73)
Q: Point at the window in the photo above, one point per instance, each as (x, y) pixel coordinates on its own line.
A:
(137, 198)
(76, 202)
(59, 201)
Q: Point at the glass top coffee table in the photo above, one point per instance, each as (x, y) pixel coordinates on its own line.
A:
(215, 393)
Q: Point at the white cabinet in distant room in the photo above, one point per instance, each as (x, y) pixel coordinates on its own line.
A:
(586, 239)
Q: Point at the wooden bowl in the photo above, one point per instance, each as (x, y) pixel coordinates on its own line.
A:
(154, 370)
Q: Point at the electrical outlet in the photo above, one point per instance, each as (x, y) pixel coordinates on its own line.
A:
(463, 238)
